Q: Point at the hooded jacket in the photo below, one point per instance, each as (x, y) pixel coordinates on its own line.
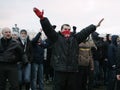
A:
(112, 49)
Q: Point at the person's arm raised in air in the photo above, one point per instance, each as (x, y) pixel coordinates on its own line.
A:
(84, 33)
(46, 25)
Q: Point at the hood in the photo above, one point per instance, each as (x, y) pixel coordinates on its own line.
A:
(114, 39)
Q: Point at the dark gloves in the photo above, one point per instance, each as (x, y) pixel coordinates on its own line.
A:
(74, 28)
(54, 26)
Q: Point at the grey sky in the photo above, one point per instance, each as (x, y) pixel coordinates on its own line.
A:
(80, 13)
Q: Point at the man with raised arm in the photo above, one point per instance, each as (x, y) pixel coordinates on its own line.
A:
(65, 51)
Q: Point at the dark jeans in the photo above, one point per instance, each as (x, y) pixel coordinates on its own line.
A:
(10, 72)
(118, 85)
(48, 71)
(24, 75)
(37, 74)
(111, 79)
(96, 73)
(105, 70)
(84, 78)
(64, 80)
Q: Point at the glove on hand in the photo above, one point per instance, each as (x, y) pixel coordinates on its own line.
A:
(39, 13)
(74, 28)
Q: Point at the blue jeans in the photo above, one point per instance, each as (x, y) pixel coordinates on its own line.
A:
(24, 73)
(37, 76)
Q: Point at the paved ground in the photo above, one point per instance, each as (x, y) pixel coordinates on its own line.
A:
(49, 87)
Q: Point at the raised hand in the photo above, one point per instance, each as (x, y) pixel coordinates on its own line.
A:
(74, 28)
(38, 13)
(99, 22)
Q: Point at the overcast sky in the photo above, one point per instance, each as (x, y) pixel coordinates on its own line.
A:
(80, 13)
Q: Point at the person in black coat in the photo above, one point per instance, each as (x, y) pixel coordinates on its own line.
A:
(118, 66)
(64, 59)
(10, 54)
(112, 57)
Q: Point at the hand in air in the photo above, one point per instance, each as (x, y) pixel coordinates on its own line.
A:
(99, 22)
(39, 13)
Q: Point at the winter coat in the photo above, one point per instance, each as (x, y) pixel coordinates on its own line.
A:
(11, 52)
(65, 51)
(27, 49)
(85, 55)
(118, 59)
(112, 49)
(100, 44)
(38, 50)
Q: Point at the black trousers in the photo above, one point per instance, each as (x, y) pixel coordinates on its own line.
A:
(64, 80)
(10, 72)
(84, 78)
(118, 85)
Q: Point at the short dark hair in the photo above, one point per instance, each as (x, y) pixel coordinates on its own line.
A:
(64, 25)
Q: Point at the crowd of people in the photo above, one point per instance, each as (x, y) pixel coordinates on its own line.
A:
(75, 60)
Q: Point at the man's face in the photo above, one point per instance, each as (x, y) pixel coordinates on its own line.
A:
(66, 28)
(66, 31)
(14, 36)
(6, 32)
(23, 35)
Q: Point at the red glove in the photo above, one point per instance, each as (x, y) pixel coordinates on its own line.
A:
(38, 13)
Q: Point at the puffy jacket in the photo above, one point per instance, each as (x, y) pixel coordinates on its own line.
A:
(65, 52)
(85, 55)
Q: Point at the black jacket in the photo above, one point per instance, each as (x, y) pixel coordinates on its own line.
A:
(65, 52)
(118, 59)
(38, 50)
(28, 49)
(112, 50)
(11, 51)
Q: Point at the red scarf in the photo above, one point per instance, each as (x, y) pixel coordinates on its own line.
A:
(66, 33)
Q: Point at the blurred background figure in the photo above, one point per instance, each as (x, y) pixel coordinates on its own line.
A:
(15, 35)
(24, 71)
